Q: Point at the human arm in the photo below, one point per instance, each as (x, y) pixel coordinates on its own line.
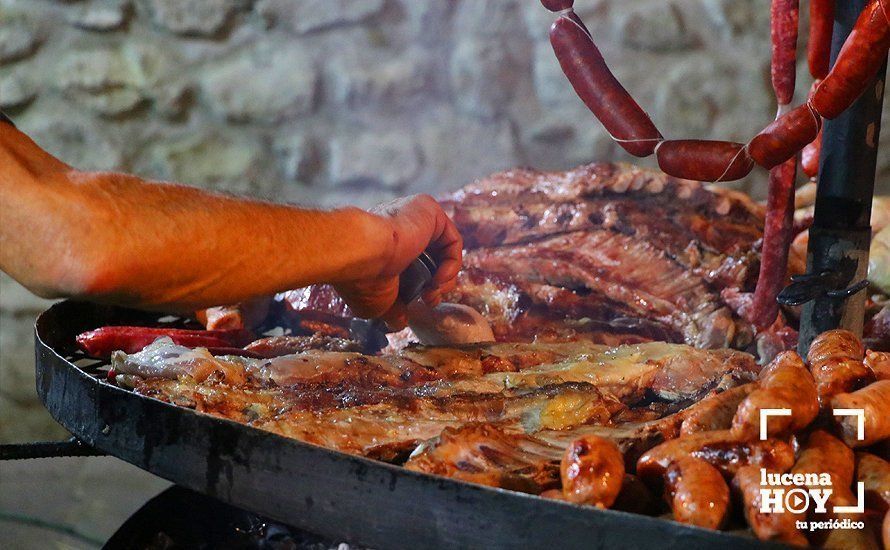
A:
(116, 238)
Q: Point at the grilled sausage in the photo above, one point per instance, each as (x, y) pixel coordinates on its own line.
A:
(835, 359)
(785, 136)
(696, 492)
(819, 47)
(102, 341)
(715, 412)
(824, 453)
(859, 59)
(783, 31)
(879, 363)
(598, 88)
(777, 235)
(874, 400)
(779, 526)
(720, 449)
(592, 470)
(874, 473)
(558, 5)
(704, 160)
(784, 384)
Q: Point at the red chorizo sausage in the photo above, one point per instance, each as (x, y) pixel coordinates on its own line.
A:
(784, 16)
(704, 160)
(598, 88)
(714, 412)
(592, 470)
(835, 359)
(105, 340)
(784, 137)
(558, 5)
(779, 526)
(874, 401)
(824, 453)
(819, 47)
(863, 53)
(720, 449)
(784, 383)
(696, 493)
(777, 234)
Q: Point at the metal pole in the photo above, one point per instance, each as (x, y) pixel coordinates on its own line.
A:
(841, 232)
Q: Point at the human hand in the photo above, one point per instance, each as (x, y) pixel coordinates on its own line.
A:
(417, 224)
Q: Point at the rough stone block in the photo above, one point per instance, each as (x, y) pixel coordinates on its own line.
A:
(193, 17)
(483, 76)
(17, 39)
(282, 81)
(298, 157)
(460, 149)
(656, 27)
(16, 91)
(358, 80)
(551, 85)
(74, 141)
(315, 15)
(101, 17)
(230, 161)
(381, 159)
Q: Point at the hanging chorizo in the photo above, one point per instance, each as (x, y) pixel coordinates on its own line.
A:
(704, 160)
(598, 88)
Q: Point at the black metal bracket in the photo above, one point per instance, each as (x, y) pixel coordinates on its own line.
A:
(47, 449)
(827, 283)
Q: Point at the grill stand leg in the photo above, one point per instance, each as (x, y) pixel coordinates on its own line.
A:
(840, 236)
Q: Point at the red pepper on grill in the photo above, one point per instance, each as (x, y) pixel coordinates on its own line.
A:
(105, 340)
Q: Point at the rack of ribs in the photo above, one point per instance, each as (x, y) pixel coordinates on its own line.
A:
(605, 253)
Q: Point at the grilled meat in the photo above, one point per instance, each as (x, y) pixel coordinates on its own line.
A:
(378, 405)
(604, 253)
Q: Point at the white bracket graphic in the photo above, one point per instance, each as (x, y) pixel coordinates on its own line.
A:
(860, 502)
(860, 420)
(766, 413)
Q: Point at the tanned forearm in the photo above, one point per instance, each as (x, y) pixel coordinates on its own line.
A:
(116, 238)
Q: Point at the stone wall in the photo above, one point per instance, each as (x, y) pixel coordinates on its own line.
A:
(334, 101)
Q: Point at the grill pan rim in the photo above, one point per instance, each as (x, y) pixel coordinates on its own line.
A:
(84, 404)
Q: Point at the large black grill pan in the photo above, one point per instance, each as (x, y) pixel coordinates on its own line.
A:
(335, 495)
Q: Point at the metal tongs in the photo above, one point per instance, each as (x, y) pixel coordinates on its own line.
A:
(371, 333)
